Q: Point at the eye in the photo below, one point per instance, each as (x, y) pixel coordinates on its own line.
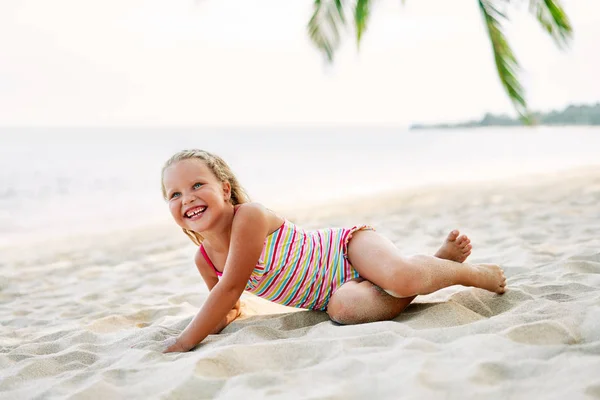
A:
(175, 194)
(197, 185)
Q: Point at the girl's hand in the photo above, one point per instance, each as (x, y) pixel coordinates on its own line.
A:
(173, 345)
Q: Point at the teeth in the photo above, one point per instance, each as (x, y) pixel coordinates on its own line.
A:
(195, 212)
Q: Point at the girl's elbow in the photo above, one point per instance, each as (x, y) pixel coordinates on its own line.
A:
(234, 290)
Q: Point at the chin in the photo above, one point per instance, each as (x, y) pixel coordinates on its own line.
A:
(199, 225)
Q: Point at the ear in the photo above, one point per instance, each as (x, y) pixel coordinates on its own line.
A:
(226, 191)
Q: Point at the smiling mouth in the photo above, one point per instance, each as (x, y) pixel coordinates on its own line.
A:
(195, 212)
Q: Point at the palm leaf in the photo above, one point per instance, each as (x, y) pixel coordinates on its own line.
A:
(329, 17)
(361, 15)
(553, 19)
(325, 24)
(340, 9)
(506, 62)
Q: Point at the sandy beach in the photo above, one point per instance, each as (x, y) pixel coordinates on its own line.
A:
(71, 309)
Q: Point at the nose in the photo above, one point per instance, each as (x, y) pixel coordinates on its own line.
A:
(188, 198)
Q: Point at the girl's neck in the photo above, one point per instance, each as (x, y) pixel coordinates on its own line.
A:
(218, 238)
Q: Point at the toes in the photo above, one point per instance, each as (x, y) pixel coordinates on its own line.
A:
(465, 246)
(468, 248)
(452, 236)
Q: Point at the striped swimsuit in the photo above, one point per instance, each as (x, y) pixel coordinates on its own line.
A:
(299, 268)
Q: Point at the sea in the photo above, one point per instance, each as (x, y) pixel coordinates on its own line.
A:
(58, 182)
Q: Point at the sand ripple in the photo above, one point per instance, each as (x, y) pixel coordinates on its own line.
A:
(72, 312)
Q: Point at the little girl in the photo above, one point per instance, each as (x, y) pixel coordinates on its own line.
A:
(355, 275)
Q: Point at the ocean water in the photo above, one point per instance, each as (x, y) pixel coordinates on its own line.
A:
(64, 181)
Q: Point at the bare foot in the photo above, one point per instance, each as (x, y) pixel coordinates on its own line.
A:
(489, 277)
(455, 248)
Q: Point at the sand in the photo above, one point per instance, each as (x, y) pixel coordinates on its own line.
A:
(72, 309)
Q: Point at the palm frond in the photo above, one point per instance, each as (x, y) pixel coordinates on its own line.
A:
(553, 19)
(506, 62)
(325, 24)
(339, 5)
(362, 12)
(328, 19)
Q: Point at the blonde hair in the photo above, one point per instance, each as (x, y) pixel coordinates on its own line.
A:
(219, 168)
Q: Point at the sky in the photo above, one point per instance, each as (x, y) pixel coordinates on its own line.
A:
(250, 63)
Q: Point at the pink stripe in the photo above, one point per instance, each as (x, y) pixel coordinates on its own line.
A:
(294, 275)
(291, 247)
(275, 251)
(345, 253)
(279, 235)
(308, 272)
(315, 266)
(207, 258)
(327, 268)
(266, 292)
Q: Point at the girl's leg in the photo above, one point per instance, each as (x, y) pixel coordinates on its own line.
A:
(379, 261)
(359, 301)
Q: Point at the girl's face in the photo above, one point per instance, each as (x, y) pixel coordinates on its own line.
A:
(196, 197)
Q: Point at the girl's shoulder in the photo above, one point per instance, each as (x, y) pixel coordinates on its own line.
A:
(257, 210)
(252, 205)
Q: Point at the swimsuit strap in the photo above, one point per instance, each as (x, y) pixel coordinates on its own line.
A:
(207, 258)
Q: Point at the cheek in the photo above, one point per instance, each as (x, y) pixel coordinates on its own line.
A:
(175, 210)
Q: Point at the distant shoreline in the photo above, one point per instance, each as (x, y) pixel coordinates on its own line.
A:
(573, 115)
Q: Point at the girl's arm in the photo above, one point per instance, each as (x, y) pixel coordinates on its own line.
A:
(229, 318)
(248, 233)
(210, 278)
